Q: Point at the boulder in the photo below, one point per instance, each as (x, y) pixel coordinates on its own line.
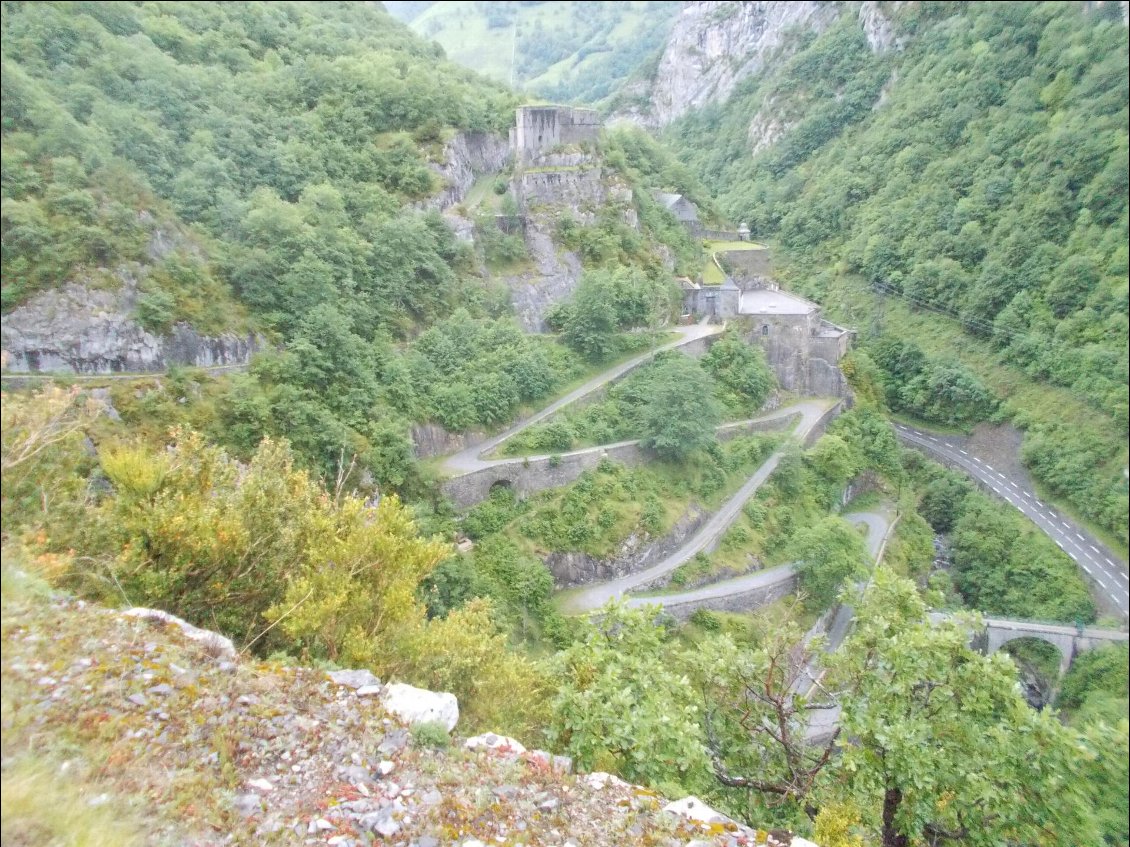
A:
(497, 743)
(418, 705)
(354, 679)
(694, 809)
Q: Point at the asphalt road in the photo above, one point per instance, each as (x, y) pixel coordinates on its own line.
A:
(594, 596)
(468, 460)
(1105, 571)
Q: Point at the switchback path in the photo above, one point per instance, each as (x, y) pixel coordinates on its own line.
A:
(469, 459)
(591, 597)
(878, 526)
(1103, 568)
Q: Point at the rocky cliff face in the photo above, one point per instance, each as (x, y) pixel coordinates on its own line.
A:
(552, 279)
(716, 44)
(83, 330)
(466, 157)
(574, 184)
(636, 553)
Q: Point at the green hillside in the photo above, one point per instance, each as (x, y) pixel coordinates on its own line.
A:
(289, 135)
(333, 504)
(571, 51)
(979, 178)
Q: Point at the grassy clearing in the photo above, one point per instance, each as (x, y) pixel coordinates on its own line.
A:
(711, 273)
(732, 246)
(482, 194)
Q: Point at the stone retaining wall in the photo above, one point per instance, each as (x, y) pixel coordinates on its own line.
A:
(743, 601)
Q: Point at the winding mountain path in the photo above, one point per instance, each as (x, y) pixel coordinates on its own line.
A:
(1106, 572)
(590, 597)
(470, 459)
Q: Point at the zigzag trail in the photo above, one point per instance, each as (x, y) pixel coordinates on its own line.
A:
(470, 459)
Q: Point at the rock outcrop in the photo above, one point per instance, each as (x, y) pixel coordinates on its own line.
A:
(212, 642)
(716, 44)
(84, 330)
(292, 755)
(552, 279)
(466, 157)
(418, 705)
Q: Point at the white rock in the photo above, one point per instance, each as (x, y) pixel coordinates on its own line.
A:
(385, 768)
(802, 842)
(694, 809)
(499, 743)
(213, 642)
(353, 678)
(369, 691)
(260, 784)
(323, 825)
(599, 780)
(418, 705)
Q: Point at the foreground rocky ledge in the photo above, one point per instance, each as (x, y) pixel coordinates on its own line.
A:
(203, 748)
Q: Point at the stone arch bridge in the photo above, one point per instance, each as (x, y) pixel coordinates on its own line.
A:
(1070, 641)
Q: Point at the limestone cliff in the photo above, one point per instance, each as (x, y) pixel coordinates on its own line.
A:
(467, 156)
(716, 44)
(84, 330)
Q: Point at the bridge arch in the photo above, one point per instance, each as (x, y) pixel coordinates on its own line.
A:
(997, 637)
(504, 484)
(1041, 666)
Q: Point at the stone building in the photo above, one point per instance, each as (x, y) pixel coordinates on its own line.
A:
(803, 349)
(713, 301)
(684, 210)
(538, 130)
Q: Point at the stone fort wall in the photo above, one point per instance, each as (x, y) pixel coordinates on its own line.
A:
(539, 129)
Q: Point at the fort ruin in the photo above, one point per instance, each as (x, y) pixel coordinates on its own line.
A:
(540, 129)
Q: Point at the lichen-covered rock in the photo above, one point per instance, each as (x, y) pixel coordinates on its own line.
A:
(354, 679)
(418, 705)
(84, 330)
(465, 157)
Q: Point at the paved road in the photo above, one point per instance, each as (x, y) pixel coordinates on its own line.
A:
(877, 528)
(1104, 569)
(879, 525)
(594, 596)
(468, 460)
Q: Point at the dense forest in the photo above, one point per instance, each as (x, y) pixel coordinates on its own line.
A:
(565, 52)
(283, 155)
(980, 175)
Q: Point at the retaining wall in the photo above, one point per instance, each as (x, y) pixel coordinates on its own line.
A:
(742, 601)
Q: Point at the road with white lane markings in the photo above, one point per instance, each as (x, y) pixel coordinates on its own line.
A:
(1105, 570)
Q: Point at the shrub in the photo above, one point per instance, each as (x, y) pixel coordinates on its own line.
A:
(431, 734)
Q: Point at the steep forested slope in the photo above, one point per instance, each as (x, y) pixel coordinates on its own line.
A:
(569, 51)
(291, 134)
(980, 174)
